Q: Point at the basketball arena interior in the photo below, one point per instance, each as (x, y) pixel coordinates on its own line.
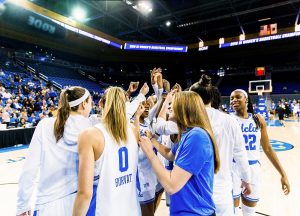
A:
(48, 46)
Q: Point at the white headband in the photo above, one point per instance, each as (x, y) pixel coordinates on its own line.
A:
(243, 91)
(79, 100)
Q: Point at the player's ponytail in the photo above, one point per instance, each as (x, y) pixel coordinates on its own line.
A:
(114, 114)
(204, 88)
(64, 108)
(251, 110)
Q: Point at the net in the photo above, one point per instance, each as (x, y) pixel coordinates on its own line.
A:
(260, 92)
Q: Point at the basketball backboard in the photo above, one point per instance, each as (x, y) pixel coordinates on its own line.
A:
(260, 86)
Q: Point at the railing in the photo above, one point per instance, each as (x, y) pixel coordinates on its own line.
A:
(43, 77)
(92, 78)
(31, 69)
(57, 85)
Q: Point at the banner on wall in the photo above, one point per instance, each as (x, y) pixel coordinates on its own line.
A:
(20, 18)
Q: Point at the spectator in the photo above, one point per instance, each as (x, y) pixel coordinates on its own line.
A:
(1, 72)
(6, 94)
(16, 104)
(5, 116)
(30, 83)
(22, 123)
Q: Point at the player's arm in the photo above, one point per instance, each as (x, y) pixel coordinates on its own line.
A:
(163, 150)
(136, 123)
(27, 180)
(132, 106)
(265, 142)
(165, 106)
(172, 181)
(87, 141)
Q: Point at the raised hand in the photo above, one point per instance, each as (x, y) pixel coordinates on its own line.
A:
(177, 87)
(155, 73)
(145, 89)
(133, 86)
(140, 110)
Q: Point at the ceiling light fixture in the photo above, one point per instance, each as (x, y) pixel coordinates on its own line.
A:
(264, 19)
(144, 7)
(128, 2)
(79, 14)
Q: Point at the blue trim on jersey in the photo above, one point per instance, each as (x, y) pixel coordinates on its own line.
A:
(250, 199)
(92, 207)
(147, 201)
(138, 184)
(236, 196)
(96, 178)
(251, 162)
(144, 124)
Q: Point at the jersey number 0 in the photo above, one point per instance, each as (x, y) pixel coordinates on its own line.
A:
(123, 159)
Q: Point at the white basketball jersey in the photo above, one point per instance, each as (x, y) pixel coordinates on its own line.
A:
(252, 135)
(117, 168)
(146, 177)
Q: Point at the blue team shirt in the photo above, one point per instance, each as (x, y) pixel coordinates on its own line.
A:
(195, 155)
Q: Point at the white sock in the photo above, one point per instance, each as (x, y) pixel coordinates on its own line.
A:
(236, 211)
(248, 211)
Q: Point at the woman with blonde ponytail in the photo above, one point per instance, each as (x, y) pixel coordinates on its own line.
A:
(53, 154)
(109, 150)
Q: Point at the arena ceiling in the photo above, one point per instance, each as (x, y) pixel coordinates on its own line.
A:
(190, 20)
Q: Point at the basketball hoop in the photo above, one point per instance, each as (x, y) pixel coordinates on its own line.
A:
(260, 86)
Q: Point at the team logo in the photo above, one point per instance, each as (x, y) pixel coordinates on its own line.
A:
(280, 146)
(7, 158)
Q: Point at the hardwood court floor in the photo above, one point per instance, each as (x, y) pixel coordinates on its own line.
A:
(272, 202)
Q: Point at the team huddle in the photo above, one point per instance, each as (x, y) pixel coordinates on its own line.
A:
(120, 161)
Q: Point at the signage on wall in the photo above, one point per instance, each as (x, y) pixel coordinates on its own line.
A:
(155, 47)
(260, 39)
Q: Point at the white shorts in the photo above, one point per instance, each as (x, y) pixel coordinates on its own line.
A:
(146, 180)
(146, 197)
(63, 206)
(223, 200)
(255, 183)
